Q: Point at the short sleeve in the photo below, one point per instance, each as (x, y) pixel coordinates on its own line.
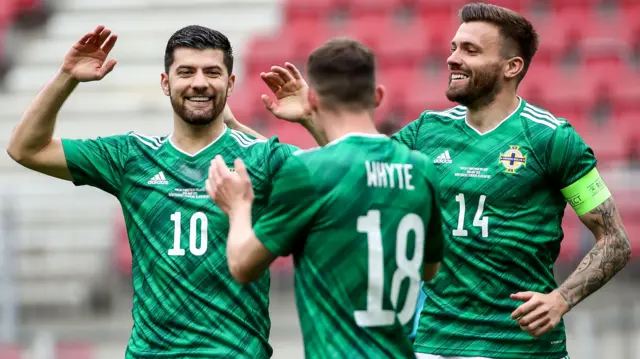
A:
(98, 162)
(278, 154)
(570, 158)
(408, 135)
(434, 238)
(292, 205)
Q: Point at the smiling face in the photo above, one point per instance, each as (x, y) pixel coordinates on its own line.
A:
(198, 84)
(476, 65)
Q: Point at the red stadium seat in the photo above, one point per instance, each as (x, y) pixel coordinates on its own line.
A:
(291, 133)
(266, 51)
(626, 94)
(396, 80)
(403, 46)
(379, 8)
(426, 93)
(10, 351)
(570, 246)
(604, 142)
(306, 36)
(316, 10)
(74, 350)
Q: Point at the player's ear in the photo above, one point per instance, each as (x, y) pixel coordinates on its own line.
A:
(513, 67)
(381, 91)
(314, 100)
(164, 83)
(231, 84)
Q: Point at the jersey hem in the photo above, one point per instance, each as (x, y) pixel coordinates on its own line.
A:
(486, 354)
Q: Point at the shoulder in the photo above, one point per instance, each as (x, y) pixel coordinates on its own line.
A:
(540, 121)
(246, 141)
(140, 140)
(444, 116)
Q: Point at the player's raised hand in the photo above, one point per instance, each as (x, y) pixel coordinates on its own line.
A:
(85, 61)
(230, 191)
(290, 91)
(540, 313)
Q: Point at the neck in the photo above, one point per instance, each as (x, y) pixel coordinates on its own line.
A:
(191, 138)
(486, 118)
(338, 125)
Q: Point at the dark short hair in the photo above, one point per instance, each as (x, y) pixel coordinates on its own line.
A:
(342, 71)
(519, 37)
(201, 38)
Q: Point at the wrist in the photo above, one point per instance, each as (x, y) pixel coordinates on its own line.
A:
(66, 78)
(562, 302)
(241, 209)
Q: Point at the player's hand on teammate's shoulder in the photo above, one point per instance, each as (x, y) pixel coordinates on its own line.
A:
(231, 191)
(539, 313)
(85, 61)
(290, 91)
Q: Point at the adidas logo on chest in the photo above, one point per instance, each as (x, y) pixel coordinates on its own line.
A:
(443, 158)
(158, 179)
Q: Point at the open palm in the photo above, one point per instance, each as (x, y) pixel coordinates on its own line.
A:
(85, 61)
(290, 90)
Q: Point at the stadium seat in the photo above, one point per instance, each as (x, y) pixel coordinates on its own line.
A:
(403, 47)
(10, 351)
(570, 246)
(265, 51)
(378, 8)
(426, 93)
(74, 350)
(291, 133)
(317, 10)
(626, 94)
(604, 141)
(305, 36)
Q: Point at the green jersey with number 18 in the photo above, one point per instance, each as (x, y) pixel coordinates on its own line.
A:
(502, 212)
(360, 217)
(186, 303)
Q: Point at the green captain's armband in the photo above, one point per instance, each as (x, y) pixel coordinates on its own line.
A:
(586, 193)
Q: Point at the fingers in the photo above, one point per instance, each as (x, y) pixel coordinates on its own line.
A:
(543, 329)
(108, 67)
(268, 102)
(102, 37)
(241, 170)
(220, 168)
(85, 39)
(210, 188)
(532, 318)
(294, 70)
(525, 309)
(110, 43)
(523, 296)
(284, 74)
(273, 80)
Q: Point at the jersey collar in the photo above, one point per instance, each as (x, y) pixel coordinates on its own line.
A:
(513, 114)
(205, 149)
(356, 134)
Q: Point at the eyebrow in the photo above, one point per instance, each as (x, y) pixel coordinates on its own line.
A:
(213, 67)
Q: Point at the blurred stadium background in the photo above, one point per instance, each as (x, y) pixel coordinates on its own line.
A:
(64, 257)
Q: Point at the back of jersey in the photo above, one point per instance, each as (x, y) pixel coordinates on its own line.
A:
(375, 221)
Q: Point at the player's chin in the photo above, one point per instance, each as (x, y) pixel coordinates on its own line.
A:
(199, 119)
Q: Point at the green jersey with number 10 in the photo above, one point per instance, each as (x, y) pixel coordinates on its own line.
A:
(360, 216)
(502, 213)
(185, 303)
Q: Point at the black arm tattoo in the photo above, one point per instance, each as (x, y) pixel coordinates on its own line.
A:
(609, 255)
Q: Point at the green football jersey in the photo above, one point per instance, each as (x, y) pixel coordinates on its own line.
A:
(185, 303)
(360, 217)
(502, 213)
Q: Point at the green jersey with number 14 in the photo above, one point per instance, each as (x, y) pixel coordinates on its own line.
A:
(502, 212)
(185, 304)
(361, 217)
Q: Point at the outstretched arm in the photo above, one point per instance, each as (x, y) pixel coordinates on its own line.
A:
(608, 256)
(32, 143)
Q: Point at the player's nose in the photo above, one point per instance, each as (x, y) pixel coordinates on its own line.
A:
(454, 60)
(199, 81)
